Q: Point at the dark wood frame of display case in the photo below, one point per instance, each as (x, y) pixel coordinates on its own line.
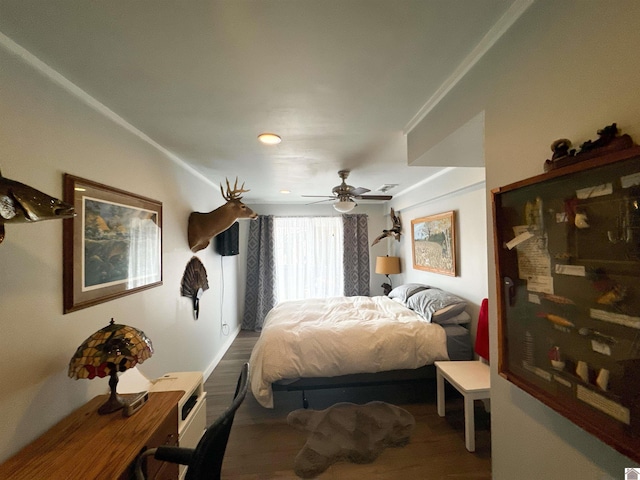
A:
(532, 325)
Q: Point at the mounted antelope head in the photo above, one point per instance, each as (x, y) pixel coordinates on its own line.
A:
(204, 226)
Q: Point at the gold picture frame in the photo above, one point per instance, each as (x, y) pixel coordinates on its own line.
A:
(433, 243)
(112, 247)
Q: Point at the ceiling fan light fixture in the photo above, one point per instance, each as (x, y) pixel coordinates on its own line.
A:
(269, 138)
(344, 205)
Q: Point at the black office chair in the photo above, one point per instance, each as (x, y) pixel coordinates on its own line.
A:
(204, 461)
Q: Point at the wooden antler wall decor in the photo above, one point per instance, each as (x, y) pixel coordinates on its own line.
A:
(204, 226)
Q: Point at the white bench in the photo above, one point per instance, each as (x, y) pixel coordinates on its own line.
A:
(472, 379)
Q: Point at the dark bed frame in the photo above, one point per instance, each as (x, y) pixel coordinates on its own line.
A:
(428, 372)
(389, 377)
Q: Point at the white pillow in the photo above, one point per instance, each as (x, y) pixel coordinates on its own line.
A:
(436, 305)
(403, 292)
(460, 319)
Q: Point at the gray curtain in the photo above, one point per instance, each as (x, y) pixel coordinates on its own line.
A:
(356, 255)
(259, 295)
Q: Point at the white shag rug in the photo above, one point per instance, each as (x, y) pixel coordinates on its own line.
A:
(348, 432)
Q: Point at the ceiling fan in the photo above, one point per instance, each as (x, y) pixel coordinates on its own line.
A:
(345, 194)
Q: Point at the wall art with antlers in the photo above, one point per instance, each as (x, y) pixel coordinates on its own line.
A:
(204, 226)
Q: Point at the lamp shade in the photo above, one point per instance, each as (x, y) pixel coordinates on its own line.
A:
(344, 206)
(388, 265)
(112, 349)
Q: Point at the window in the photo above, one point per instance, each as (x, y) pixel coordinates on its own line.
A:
(308, 257)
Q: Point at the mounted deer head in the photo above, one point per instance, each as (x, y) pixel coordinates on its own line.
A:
(204, 226)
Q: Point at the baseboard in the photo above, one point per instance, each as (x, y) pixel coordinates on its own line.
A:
(223, 350)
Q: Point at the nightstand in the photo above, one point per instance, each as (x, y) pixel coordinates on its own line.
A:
(472, 379)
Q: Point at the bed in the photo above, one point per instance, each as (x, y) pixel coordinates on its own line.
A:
(346, 341)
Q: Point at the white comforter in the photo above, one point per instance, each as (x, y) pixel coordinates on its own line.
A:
(338, 336)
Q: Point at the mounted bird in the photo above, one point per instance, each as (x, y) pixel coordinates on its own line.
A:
(395, 231)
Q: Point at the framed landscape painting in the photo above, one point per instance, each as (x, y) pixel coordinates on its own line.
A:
(112, 247)
(433, 242)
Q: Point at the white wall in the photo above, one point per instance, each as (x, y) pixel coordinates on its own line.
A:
(463, 191)
(45, 133)
(565, 69)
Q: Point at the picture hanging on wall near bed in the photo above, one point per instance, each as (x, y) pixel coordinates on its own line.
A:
(433, 242)
(112, 248)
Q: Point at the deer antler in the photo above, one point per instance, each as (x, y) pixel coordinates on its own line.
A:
(233, 194)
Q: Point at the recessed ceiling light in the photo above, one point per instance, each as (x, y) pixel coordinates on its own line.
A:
(286, 192)
(269, 138)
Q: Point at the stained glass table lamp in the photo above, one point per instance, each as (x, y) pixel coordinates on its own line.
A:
(112, 349)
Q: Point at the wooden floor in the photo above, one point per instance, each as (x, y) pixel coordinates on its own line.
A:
(263, 446)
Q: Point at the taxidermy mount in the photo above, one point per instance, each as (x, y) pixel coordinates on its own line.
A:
(22, 203)
(194, 283)
(395, 231)
(204, 226)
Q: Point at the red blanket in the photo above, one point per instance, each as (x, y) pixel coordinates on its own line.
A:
(482, 334)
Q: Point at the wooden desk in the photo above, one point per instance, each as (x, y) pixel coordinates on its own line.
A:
(86, 445)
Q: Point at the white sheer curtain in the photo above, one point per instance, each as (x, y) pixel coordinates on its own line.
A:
(308, 257)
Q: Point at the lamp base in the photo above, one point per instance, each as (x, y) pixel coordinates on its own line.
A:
(386, 288)
(115, 403)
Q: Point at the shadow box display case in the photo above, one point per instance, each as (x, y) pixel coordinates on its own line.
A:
(568, 271)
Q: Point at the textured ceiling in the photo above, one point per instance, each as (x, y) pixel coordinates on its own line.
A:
(339, 80)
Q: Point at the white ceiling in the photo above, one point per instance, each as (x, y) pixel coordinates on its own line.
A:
(340, 80)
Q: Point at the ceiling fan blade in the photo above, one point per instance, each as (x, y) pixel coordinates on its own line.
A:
(319, 196)
(318, 201)
(358, 191)
(374, 197)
